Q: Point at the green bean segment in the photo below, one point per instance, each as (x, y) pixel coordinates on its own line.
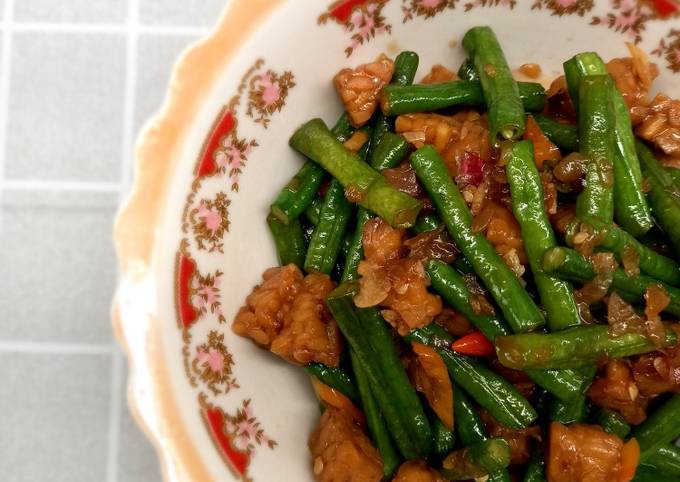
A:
(328, 236)
(596, 128)
(477, 460)
(661, 427)
(570, 265)
(370, 189)
(528, 206)
(505, 108)
(614, 239)
(574, 347)
(289, 240)
(399, 100)
(486, 387)
(518, 308)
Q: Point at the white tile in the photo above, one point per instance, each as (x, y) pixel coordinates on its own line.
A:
(155, 58)
(180, 12)
(101, 11)
(59, 268)
(66, 105)
(54, 417)
(137, 460)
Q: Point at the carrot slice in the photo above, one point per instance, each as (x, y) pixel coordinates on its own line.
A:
(544, 149)
(333, 398)
(630, 457)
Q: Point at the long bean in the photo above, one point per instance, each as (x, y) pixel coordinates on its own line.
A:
(389, 152)
(570, 265)
(471, 429)
(477, 460)
(301, 190)
(376, 424)
(489, 389)
(336, 378)
(450, 285)
(663, 195)
(578, 67)
(444, 439)
(645, 473)
(661, 427)
(328, 236)
(616, 240)
(405, 67)
(467, 71)
(674, 172)
(568, 411)
(612, 422)
(367, 186)
(596, 129)
(289, 240)
(313, 211)
(564, 136)
(518, 308)
(505, 108)
(355, 251)
(528, 206)
(535, 469)
(630, 208)
(666, 460)
(398, 100)
(574, 347)
(368, 336)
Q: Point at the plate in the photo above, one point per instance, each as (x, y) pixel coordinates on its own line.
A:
(192, 239)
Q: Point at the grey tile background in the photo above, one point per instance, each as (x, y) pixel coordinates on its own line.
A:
(180, 12)
(65, 119)
(80, 79)
(155, 57)
(103, 11)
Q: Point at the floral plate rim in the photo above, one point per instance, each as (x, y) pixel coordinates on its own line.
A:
(135, 323)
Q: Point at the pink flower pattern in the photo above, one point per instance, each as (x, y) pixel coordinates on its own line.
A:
(267, 94)
(490, 3)
(424, 8)
(210, 221)
(628, 17)
(213, 364)
(231, 157)
(245, 430)
(364, 23)
(206, 294)
(565, 7)
(669, 50)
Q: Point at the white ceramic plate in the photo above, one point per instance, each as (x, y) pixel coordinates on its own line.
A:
(192, 239)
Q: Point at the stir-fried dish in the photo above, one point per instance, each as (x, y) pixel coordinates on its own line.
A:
(481, 276)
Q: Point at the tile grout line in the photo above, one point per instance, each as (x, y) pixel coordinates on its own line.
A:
(108, 28)
(59, 186)
(127, 153)
(5, 66)
(115, 414)
(55, 348)
(117, 364)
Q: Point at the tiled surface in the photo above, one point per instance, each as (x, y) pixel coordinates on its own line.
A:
(180, 12)
(155, 58)
(65, 118)
(65, 238)
(80, 79)
(102, 11)
(54, 413)
(137, 461)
